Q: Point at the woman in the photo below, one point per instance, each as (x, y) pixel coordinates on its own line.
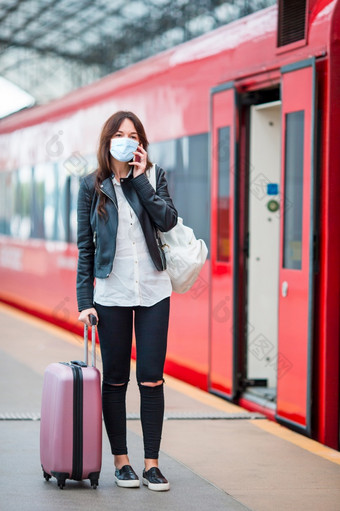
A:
(118, 214)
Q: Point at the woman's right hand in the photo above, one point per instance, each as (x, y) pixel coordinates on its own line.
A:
(84, 315)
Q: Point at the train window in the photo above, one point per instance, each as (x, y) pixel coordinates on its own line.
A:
(87, 166)
(164, 153)
(3, 203)
(223, 195)
(38, 202)
(293, 183)
(63, 204)
(74, 188)
(50, 210)
(13, 197)
(185, 161)
(22, 195)
(9, 201)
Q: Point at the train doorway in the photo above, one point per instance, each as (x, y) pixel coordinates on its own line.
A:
(262, 292)
(263, 255)
(279, 298)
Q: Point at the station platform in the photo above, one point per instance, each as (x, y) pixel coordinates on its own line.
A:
(216, 455)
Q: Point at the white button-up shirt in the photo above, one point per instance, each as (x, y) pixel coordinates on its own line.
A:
(134, 280)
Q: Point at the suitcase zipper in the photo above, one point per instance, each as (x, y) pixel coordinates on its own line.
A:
(77, 454)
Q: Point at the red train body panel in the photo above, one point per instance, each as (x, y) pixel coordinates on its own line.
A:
(261, 326)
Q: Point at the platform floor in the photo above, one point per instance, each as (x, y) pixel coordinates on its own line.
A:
(216, 455)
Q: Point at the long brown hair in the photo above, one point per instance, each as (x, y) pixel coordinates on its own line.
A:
(104, 170)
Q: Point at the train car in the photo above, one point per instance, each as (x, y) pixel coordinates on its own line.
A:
(245, 122)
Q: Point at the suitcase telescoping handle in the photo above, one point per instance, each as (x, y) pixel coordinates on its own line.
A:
(93, 321)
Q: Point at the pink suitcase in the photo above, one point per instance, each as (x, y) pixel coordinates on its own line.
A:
(71, 419)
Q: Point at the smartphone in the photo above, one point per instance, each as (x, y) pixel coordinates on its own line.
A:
(136, 157)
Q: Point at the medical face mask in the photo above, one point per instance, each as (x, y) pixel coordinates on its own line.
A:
(122, 148)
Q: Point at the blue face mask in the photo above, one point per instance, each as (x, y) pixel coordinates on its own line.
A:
(122, 148)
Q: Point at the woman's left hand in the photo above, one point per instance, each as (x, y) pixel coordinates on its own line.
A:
(140, 161)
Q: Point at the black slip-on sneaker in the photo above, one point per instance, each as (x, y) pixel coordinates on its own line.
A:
(126, 477)
(155, 480)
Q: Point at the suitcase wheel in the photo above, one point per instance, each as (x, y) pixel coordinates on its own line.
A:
(94, 479)
(47, 476)
(61, 478)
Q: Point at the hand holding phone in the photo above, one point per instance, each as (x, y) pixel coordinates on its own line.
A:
(140, 158)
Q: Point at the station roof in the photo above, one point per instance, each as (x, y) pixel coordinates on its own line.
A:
(50, 47)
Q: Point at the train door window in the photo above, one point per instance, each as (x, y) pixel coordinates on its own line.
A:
(223, 194)
(38, 202)
(292, 230)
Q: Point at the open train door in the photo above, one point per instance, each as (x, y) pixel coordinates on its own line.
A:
(223, 350)
(294, 357)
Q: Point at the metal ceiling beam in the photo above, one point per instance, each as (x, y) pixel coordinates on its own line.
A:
(56, 24)
(137, 38)
(168, 17)
(10, 9)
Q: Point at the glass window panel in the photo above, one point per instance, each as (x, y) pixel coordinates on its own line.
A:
(8, 201)
(223, 195)
(92, 163)
(185, 161)
(198, 212)
(292, 233)
(50, 211)
(3, 216)
(62, 204)
(25, 176)
(15, 202)
(79, 165)
(164, 154)
(74, 188)
(87, 165)
(22, 197)
(38, 202)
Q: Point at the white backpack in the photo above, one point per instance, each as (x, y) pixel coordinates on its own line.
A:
(185, 255)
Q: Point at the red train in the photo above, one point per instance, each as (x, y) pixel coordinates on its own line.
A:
(245, 121)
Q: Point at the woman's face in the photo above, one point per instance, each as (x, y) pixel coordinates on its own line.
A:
(127, 129)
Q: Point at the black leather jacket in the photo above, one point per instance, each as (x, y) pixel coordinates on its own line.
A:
(96, 238)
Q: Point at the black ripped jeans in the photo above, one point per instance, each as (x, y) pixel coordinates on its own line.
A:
(115, 328)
